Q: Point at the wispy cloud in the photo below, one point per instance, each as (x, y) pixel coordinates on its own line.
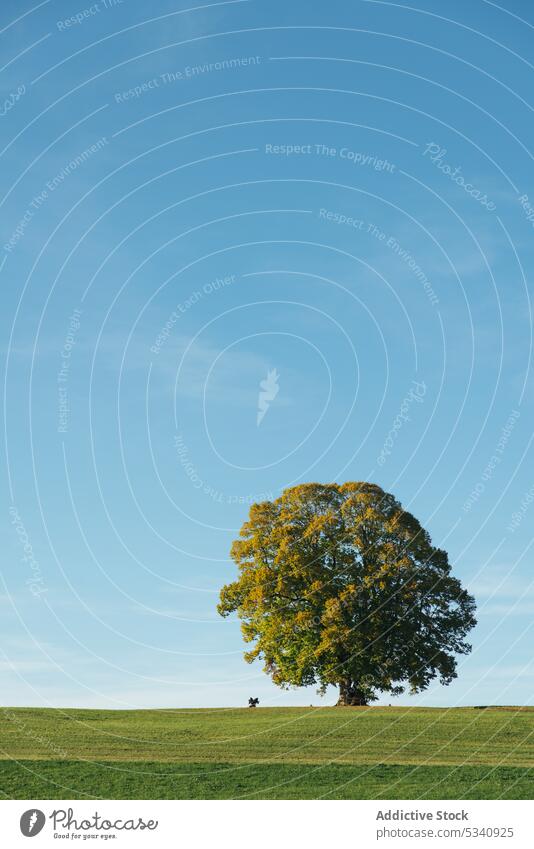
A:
(501, 591)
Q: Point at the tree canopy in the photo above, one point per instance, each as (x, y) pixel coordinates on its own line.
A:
(339, 585)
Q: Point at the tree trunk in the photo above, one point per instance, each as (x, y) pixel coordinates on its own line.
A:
(350, 695)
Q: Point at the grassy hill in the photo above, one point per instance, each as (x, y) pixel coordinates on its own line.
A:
(282, 753)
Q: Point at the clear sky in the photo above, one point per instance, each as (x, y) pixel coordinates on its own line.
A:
(339, 195)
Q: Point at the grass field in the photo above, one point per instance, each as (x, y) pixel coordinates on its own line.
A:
(268, 753)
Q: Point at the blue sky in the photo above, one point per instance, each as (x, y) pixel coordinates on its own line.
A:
(194, 198)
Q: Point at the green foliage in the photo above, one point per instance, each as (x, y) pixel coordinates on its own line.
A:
(339, 585)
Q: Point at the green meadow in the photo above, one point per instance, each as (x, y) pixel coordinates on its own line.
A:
(268, 753)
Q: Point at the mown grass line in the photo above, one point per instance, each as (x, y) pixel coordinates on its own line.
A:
(430, 736)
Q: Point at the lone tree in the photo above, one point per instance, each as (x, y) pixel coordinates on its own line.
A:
(339, 585)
